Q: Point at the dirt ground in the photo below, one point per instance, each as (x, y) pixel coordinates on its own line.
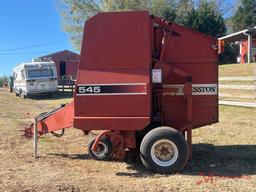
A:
(224, 156)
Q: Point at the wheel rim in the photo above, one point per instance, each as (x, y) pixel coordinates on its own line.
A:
(164, 153)
(101, 150)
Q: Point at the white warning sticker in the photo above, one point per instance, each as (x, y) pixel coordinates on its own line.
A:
(157, 75)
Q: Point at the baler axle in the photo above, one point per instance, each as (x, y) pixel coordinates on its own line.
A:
(120, 140)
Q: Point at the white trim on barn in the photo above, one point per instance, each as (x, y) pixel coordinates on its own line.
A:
(241, 35)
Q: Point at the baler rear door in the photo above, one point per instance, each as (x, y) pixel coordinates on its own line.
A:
(195, 54)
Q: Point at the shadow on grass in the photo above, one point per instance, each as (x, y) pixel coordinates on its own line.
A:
(223, 161)
(70, 156)
(54, 96)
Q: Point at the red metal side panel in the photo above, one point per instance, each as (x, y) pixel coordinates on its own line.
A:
(193, 53)
(113, 84)
(72, 68)
(117, 40)
(57, 64)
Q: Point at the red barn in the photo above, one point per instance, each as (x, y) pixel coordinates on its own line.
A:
(66, 63)
(244, 50)
(247, 42)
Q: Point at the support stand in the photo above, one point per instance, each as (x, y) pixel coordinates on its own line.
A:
(35, 138)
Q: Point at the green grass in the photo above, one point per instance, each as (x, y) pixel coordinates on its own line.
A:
(233, 70)
(220, 152)
(237, 70)
(235, 82)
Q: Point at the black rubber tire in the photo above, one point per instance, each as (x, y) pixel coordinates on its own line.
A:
(166, 133)
(106, 143)
(22, 95)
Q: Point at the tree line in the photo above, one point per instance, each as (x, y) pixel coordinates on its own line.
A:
(4, 81)
(212, 17)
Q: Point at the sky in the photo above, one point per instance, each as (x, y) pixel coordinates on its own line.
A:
(29, 23)
(31, 28)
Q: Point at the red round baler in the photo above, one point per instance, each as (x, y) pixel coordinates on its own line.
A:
(144, 83)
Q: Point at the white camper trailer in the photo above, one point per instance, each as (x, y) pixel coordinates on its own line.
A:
(35, 78)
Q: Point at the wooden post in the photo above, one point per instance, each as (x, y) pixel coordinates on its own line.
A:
(254, 78)
(249, 51)
(35, 138)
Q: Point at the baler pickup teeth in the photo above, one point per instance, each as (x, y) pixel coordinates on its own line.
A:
(28, 131)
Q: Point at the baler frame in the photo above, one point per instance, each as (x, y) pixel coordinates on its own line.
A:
(148, 123)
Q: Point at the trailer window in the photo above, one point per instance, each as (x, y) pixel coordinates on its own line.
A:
(40, 73)
(22, 74)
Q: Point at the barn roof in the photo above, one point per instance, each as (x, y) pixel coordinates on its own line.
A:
(62, 56)
(240, 35)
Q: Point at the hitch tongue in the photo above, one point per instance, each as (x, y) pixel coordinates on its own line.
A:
(49, 122)
(29, 130)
